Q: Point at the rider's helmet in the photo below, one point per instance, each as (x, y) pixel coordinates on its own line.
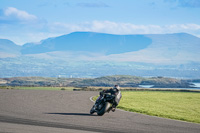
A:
(116, 87)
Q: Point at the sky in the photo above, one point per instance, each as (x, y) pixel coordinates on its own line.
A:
(23, 21)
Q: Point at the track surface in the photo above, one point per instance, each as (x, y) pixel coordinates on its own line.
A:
(30, 111)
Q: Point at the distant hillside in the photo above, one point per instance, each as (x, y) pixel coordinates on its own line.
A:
(178, 48)
(132, 81)
(168, 49)
(8, 48)
(165, 49)
(107, 81)
(89, 42)
(89, 54)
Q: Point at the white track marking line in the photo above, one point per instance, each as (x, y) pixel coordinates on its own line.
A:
(91, 99)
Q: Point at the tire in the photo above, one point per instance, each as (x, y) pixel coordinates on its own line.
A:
(104, 109)
(92, 110)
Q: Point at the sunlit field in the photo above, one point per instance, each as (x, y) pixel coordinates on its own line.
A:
(174, 105)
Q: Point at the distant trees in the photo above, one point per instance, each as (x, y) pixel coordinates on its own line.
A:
(107, 81)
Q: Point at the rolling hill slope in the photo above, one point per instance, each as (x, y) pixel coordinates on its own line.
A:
(179, 48)
(89, 42)
(8, 48)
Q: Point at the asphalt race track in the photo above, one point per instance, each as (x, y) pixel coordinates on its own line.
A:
(31, 111)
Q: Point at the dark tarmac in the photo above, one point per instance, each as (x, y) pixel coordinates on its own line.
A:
(30, 111)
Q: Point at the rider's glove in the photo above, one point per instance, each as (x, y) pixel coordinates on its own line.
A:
(102, 92)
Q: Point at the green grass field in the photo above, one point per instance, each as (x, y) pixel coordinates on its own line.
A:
(174, 105)
(183, 106)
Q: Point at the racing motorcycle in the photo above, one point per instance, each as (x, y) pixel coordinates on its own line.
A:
(103, 104)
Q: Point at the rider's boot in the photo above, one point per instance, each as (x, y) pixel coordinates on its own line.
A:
(113, 109)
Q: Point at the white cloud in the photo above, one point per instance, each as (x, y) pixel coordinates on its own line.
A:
(105, 27)
(25, 27)
(13, 15)
(22, 15)
(183, 27)
(124, 28)
(21, 26)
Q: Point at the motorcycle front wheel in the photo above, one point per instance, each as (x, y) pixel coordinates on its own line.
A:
(104, 109)
(92, 110)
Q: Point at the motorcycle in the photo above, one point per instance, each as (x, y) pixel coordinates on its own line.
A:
(103, 104)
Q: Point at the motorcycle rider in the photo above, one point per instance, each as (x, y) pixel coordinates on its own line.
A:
(116, 93)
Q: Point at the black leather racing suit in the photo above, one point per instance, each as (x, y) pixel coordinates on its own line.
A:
(116, 93)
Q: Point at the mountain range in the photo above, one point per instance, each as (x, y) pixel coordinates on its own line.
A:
(154, 50)
(175, 48)
(89, 42)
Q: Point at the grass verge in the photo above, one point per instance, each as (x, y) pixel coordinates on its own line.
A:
(183, 106)
(174, 105)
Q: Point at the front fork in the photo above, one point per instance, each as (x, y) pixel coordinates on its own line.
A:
(96, 106)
